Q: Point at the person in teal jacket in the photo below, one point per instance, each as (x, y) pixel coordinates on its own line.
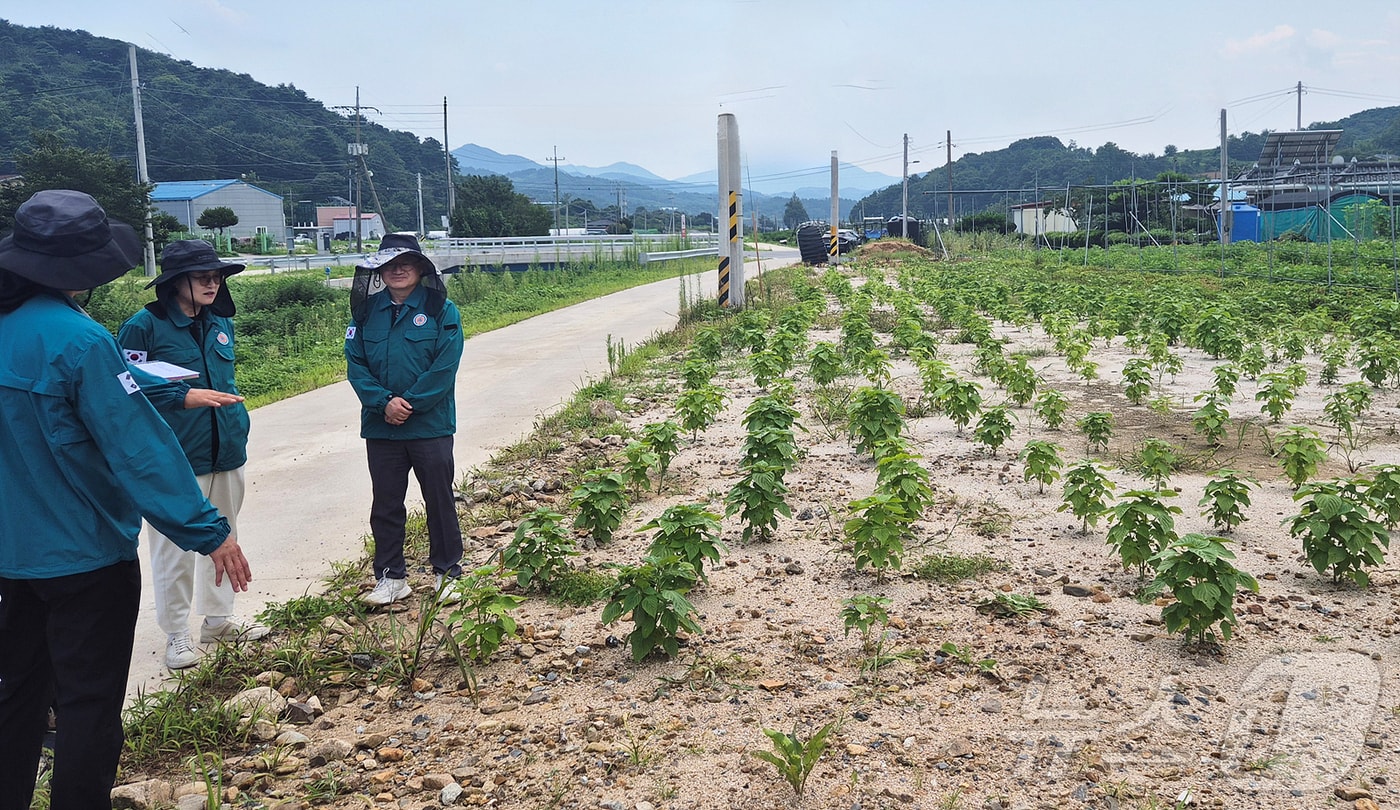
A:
(190, 325)
(84, 456)
(402, 351)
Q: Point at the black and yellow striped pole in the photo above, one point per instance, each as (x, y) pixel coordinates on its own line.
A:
(833, 252)
(724, 272)
(731, 253)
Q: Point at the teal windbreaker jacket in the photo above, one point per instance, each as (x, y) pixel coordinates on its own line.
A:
(414, 357)
(214, 439)
(83, 454)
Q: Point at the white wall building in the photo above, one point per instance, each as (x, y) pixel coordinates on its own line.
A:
(258, 210)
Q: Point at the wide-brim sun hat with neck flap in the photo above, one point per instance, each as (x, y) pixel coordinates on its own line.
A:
(62, 239)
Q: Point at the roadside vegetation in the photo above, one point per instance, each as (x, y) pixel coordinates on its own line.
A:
(570, 498)
(291, 325)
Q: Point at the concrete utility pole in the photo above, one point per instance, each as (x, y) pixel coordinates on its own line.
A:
(904, 194)
(833, 252)
(555, 160)
(950, 178)
(141, 173)
(1300, 106)
(731, 259)
(447, 153)
(1227, 216)
(420, 204)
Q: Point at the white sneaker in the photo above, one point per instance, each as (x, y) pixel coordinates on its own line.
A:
(230, 630)
(387, 592)
(451, 596)
(180, 652)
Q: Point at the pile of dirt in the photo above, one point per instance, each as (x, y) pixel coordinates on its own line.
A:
(892, 246)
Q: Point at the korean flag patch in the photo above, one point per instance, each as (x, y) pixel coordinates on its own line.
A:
(128, 383)
(350, 333)
(134, 356)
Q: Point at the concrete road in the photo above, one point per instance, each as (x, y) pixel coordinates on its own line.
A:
(308, 487)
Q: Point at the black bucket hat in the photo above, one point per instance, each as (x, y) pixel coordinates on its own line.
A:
(63, 240)
(393, 246)
(186, 256)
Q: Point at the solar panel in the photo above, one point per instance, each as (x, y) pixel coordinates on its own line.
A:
(1308, 146)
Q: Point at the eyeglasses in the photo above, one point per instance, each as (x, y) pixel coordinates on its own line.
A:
(207, 278)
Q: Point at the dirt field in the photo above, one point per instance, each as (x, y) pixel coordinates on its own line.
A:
(1088, 704)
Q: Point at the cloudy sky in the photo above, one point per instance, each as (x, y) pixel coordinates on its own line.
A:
(643, 81)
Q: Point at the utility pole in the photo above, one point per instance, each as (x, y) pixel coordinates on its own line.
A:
(357, 152)
(1300, 106)
(834, 249)
(141, 173)
(904, 194)
(447, 153)
(420, 204)
(555, 160)
(950, 178)
(1227, 219)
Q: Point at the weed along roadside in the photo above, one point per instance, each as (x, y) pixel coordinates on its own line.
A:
(903, 532)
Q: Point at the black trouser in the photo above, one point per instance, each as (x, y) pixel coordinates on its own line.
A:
(65, 642)
(431, 462)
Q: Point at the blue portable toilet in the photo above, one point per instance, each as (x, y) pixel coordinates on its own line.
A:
(1246, 223)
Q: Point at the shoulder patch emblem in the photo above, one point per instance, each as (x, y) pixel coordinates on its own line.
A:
(128, 382)
(420, 319)
(222, 338)
(134, 355)
(350, 333)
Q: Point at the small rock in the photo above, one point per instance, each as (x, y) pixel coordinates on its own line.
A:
(299, 713)
(1366, 804)
(437, 781)
(389, 754)
(450, 794)
(142, 795)
(330, 750)
(260, 700)
(1076, 590)
(856, 750)
(1350, 794)
(292, 739)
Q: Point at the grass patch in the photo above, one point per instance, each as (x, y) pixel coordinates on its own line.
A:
(581, 586)
(950, 568)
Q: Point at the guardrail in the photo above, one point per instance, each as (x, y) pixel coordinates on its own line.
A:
(523, 250)
(679, 254)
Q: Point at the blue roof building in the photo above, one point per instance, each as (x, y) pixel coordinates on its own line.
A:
(258, 210)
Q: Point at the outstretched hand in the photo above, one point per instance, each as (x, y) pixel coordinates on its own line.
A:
(209, 398)
(229, 560)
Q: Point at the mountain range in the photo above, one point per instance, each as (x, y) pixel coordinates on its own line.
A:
(207, 123)
(629, 185)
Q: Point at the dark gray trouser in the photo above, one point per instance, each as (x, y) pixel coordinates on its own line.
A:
(65, 642)
(390, 461)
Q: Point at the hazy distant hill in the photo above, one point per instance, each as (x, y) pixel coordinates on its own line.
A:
(631, 187)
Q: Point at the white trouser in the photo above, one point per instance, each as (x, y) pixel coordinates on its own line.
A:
(181, 577)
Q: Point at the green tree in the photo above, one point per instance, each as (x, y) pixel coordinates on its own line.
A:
(794, 213)
(51, 163)
(490, 206)
(217, 218)
(162, 226)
